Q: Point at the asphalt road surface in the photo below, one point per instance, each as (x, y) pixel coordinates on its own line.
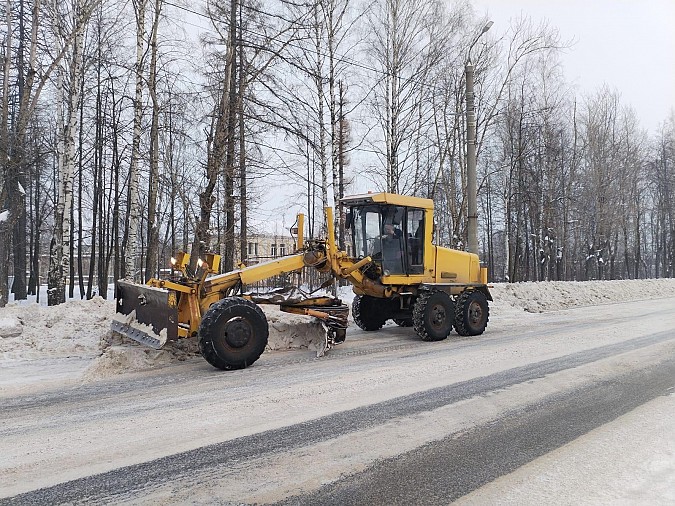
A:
(384, 419)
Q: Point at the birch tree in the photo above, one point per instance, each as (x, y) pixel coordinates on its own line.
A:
(153, 225)
(59, 258)
(134, 204)
(39, 69)
(402, 51)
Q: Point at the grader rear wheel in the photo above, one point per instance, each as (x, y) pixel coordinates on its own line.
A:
(368, 312)
(433, 315)
(233, 333)
(471, 313)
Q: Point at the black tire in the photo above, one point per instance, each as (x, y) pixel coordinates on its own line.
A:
(471, 313)
(433, 315)
(368, 312)
(403, 322)
(233, 333)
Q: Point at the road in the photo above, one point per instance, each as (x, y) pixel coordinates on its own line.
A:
(384, 419)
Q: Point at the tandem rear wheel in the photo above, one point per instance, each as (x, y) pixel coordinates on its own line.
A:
(433, 315)
(471, 313)
(369, 313)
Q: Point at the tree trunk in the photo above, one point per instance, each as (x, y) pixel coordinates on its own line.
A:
(229, 246)
(80, 228)
(59, 254)
(343, 140)
(153, 227)
(19, 230)
(134, 205)
(4, 166)
(215, 157)
(243, 202)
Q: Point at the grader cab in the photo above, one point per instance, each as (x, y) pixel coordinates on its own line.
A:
(395, 271)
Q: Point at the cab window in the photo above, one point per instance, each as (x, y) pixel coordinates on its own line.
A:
(415, 239)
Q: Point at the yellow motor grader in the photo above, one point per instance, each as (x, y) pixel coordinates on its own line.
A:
(394, 269)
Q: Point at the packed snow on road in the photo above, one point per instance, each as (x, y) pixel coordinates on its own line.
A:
(49, 348)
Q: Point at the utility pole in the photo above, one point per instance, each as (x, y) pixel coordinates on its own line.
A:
(472, 211)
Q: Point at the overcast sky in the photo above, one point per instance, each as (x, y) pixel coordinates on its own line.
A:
(627, 44)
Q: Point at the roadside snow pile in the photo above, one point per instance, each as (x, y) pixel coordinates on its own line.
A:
(121, 355)
(117, 359)
(81, 330)
(554, 295)
(73, 329)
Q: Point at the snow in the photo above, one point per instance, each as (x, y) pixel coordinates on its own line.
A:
(81, 329)
(290, 331)
(4, 215)
(45, 348)
(74, 329)
(78, 332)
(574, 471)
(31, 334)
(555, 295)
(131, 321)
(10, 327)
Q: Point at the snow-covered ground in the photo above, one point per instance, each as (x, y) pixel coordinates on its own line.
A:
(48, 348)
(629, 461)
(73, 341)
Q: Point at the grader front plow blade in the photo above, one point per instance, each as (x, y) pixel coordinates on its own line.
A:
(146, 314)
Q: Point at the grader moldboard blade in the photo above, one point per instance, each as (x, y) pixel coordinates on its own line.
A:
(330, 311)
(146, 314)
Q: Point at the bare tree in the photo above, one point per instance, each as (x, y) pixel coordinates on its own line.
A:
(131, 252)
(61, 240)
(153, 225)
(403, 49)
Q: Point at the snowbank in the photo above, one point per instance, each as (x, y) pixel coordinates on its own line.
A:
(554, 295)
(81, 329)
(121, 355)
(127, 357)
(73, 329)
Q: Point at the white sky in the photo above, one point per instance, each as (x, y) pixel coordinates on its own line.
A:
(627, 44)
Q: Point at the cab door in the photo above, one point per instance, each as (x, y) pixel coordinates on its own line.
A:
(414, 231)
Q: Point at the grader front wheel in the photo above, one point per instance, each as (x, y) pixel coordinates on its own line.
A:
(233, 333)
